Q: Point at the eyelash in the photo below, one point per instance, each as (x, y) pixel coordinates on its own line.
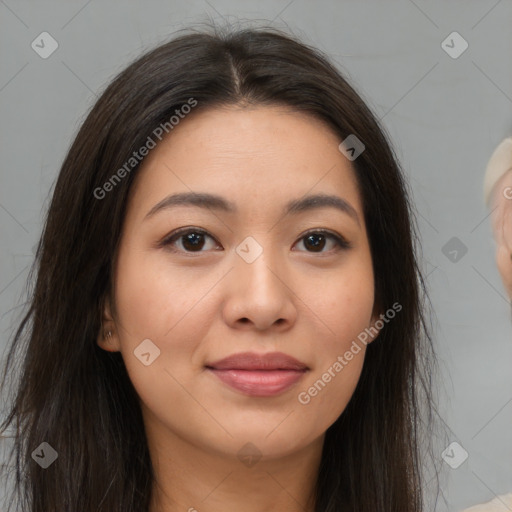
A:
(341, 243)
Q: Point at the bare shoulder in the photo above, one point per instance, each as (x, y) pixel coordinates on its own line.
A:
(499, 504)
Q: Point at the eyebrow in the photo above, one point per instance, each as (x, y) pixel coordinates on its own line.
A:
(215, 202)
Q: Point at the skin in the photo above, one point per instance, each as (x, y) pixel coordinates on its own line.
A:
(501, 218)
(203, 305)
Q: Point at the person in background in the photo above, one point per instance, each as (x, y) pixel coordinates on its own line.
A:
(498, 198)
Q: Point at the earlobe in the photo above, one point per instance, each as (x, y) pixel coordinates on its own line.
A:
(107, 337)
(375, 325)
(373, 329)
(107, 341)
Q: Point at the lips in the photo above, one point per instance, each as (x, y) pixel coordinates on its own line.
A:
(252, 361)
(259, 374)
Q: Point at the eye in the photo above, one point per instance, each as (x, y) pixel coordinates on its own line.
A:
(317, 240)
(188, 239)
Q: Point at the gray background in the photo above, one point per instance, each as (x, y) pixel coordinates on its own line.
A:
(444, 115)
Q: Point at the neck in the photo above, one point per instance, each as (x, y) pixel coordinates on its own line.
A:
(191, 478)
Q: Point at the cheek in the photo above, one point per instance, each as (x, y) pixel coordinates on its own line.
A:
(343, 302)
(342, 312)
(332, 383)
(156, 303)
(155, 298)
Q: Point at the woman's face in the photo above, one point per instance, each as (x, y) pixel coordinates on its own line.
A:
(249, 271)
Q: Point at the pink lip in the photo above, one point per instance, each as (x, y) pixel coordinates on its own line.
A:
(259, 374)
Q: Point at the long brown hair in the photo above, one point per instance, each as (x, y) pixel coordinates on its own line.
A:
(79, 399)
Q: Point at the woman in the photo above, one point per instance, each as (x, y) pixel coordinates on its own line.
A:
(228, 311)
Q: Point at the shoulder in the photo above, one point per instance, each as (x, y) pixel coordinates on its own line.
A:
(499, 504)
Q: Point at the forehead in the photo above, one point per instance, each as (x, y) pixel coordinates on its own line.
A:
(253, 156)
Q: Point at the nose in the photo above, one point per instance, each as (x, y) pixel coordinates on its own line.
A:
(259, 295)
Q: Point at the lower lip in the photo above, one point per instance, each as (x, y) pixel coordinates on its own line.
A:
(259, 382)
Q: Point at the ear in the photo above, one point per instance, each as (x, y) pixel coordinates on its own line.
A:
(108, 338)
(373, 328)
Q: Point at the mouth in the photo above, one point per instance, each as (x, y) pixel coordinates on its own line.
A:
(260, 375)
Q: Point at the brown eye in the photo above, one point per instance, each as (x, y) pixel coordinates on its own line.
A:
(188, 240)
(316, 241)
(193, 241)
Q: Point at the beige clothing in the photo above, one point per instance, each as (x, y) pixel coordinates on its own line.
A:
(500, 504)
